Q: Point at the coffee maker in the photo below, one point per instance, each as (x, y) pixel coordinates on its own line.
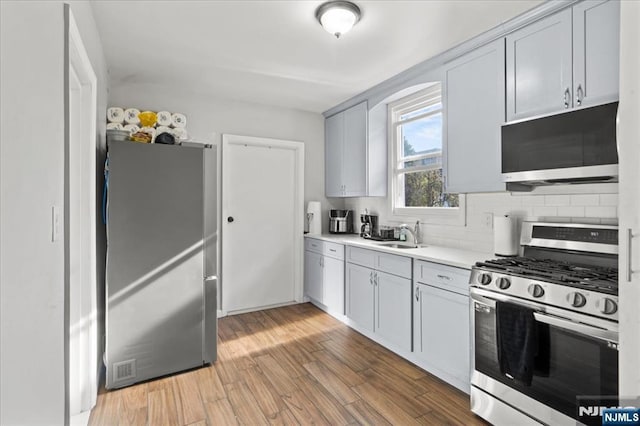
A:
(369, 226)
(341, 221)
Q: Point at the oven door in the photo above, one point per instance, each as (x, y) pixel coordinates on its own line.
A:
(582, 360)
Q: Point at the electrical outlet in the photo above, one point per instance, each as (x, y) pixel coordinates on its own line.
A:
(488, 220)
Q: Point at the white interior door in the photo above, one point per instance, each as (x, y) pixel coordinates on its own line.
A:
(80, 231)
(262, 211)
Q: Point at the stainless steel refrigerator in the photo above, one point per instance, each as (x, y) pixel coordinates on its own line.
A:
(161, 269)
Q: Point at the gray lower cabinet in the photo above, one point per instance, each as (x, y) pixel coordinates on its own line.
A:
(441, 321)
(474, 107)
(324, 274)
(378, 291)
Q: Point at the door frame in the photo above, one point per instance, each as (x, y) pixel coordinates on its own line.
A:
(298, 224)
(80, 129)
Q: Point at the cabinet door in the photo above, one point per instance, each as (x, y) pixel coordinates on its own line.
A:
(393, 309)
(442, 335)
(333, 156)
(596, 52)
(333, 284)
(360, 295)
(354, 165)
(475, 110)
(539, 63)
(313, 275)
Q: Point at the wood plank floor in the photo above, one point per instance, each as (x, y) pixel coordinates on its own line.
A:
(289, 366)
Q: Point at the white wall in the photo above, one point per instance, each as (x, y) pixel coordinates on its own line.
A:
(594, 206)
(32, 44)
(208, 118)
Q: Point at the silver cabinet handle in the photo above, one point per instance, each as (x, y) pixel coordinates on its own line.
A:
(567, 98)
(375, 279)
(629, 254)
(417, 294)
(371, 277)
(579, 94)
(444, 277)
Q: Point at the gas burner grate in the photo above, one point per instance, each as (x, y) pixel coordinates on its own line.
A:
(575, 275)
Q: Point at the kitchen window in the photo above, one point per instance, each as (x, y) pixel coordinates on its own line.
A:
(416, 137)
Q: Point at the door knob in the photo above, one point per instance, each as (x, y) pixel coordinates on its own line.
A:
(230, 219)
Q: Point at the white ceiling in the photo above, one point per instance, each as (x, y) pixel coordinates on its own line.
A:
(275, 52)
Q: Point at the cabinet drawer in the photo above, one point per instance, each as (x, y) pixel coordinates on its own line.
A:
(360, 256)
(393, 264)
(334, 250)
(384, 262)
(446, 277)
(312, 244)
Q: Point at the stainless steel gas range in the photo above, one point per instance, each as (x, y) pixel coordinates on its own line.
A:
(545, 326)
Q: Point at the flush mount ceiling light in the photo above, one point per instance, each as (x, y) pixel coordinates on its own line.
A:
(338, 17)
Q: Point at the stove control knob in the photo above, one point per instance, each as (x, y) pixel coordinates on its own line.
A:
(484, 279)
(577, 300)
(535, 290)
(503, 283)
(607, 306)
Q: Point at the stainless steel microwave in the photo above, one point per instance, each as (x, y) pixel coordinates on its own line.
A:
(572, 147)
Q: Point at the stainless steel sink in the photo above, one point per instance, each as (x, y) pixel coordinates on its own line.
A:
(402, 246)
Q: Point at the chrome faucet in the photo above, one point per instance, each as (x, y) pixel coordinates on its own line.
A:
(413, 234)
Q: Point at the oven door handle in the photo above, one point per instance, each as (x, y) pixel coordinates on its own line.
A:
(589, 330)
(485, 304)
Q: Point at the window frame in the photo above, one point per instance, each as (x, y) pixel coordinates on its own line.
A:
(420, 99)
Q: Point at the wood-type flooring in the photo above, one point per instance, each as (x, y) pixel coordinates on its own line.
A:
(294, 365)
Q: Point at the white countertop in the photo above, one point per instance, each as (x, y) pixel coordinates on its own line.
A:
(445, 255)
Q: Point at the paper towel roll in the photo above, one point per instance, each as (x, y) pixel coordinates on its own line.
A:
(115, 115)
(314, 217)
(504, 236)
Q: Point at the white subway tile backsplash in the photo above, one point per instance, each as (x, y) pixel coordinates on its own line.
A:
(609, 200)
(589, 220)
(589, 206)
(533, 200)
(545, 211)
(571, 211)
(557, 200)
(601, 212)
(585, 200)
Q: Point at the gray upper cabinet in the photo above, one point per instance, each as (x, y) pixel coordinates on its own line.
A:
(475, 109)
(539, 64)
(567, 60)
(334, 141)
(354, 168)
(346, 153)
(349, 158)
(596, 52)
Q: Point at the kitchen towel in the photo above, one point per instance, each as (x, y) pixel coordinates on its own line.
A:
(517, 341)
(505, 242)
(314, 218)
